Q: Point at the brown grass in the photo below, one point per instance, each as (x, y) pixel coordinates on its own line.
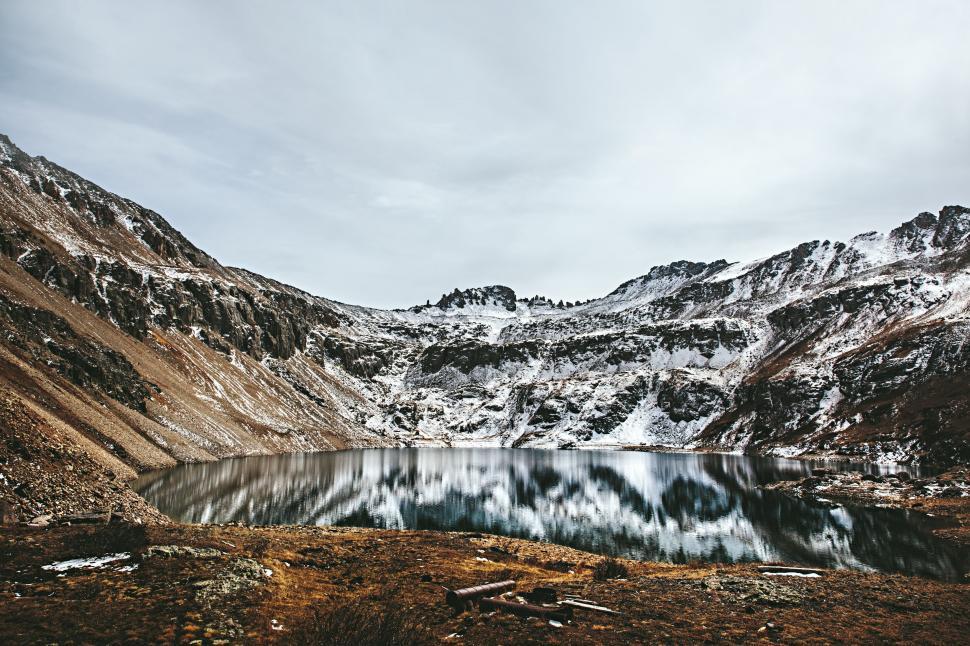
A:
(609, 568)
(382, 622)
(329, 586)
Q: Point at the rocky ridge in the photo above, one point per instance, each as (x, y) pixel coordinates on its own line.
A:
(117, 329)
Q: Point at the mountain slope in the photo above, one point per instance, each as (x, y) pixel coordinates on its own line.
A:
(118, 327)
(119, 331)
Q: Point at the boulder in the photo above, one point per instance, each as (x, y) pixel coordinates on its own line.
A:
(41, 521)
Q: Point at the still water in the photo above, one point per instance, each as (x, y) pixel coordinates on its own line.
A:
(651, 506)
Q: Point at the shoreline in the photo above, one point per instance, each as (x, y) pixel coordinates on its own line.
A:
(285, 584)
(945, 496)
(182, 582)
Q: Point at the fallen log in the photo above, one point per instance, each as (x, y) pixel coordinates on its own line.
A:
(589, 606)
(540, 595)
(458, 598)
(525, 609)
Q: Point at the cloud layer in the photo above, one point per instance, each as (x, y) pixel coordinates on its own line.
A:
(384, 152)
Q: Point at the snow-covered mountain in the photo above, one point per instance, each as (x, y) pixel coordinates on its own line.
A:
(118, 328)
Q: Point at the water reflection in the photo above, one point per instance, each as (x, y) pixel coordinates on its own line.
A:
(673, 507)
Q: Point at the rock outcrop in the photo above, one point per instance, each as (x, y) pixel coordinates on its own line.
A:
(115, 326)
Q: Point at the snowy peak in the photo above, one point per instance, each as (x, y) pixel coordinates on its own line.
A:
(945, 232)
(10, 153)
(838, 347)
(98, 224)
(953, 228)
(474, 299)
(662, 280)
(495, 301)
(916, 235)
(925, 235)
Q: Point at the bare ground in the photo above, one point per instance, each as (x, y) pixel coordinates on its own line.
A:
(277, 584)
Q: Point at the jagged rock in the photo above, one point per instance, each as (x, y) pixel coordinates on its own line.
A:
(173, 551)
(849, 348)
(493, 296)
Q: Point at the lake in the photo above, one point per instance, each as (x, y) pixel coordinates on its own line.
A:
(649, 506)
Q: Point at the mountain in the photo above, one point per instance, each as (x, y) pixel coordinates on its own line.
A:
(120, 338)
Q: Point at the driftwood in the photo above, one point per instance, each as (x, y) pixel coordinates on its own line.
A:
(458, 598)
(86, 518)
(540, 595)
(96, 517)
(589, 606)
(525, 609)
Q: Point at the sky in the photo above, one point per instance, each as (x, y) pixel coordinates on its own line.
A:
(382, 153)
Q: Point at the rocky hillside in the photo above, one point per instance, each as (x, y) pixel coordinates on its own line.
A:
(124, 339)
(854, 348)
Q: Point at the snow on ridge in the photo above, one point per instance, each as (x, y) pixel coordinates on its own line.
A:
(655, 361)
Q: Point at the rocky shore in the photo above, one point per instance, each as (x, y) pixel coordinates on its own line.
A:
(945, 495)
(229, 584)
(47, 478)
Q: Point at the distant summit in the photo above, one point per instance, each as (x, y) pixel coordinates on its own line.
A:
(491, 296)
(158, 353)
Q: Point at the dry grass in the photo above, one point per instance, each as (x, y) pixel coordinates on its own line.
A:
(329, 586)
(609, 568)
(382, 622)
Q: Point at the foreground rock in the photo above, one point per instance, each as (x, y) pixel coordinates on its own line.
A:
(301, 585)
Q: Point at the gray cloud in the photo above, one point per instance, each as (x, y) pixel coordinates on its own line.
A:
(384, 152)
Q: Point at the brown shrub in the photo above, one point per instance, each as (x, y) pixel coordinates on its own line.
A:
(609, 568)
(108, 539)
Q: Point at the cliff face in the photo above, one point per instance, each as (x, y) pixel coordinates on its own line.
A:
(133, 343)
(854, 348)
(129, 340)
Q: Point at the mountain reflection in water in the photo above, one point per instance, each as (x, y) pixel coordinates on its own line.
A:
(651, 506)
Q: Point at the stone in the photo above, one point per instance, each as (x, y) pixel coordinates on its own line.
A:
(40, 521)
(172, 551)
(951, 492)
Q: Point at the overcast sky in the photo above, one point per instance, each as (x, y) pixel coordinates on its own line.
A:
(382, 153)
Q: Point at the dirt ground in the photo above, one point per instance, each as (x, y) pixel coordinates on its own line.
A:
(185, 583)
